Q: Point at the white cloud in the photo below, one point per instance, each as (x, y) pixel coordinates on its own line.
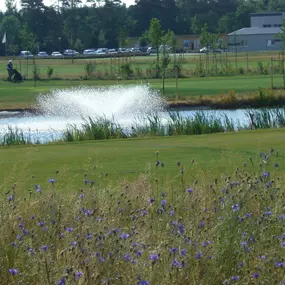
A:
(50, 2)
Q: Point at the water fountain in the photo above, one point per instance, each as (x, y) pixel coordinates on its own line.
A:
(61, 108)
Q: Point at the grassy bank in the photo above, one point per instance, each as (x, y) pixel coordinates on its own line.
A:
(13, 96)
(110, 156)
(212, 214)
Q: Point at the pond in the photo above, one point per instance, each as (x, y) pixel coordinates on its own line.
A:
(123, 105)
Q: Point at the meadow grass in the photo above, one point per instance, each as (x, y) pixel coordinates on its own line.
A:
(24, 95)
(195, 210)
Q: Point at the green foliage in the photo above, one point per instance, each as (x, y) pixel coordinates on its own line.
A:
(89, 68)
(155, 34)
(36, 72)
(262, 69)
(126, 70)
(78, 45)
(50, 71)
(143, 41)
(14, 136)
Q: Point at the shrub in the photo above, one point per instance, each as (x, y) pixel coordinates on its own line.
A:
(89, 68)
(50, 71)
(126, 70)
(261, 68)
(36, 72)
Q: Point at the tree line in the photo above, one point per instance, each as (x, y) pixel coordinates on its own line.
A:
(109, 23)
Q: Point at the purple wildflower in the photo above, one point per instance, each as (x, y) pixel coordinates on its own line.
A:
(139, 253)
(151, 200)
(243, 243)
(201, 224)
(69, 230)
(89, 236)
(183, 252)
(181, 229)
(73, 243)
(143, 213)
(176, 263)
(265, 174)
(153, 257)
(235, 207)
(174, 250)
(127, 257)
(124, 235)
(44, 248)
(190, 190)
(163, 202)
(62, 281)
(41, 224)
(283, 244)
(255, 275)
(171, 213)
(267, 213)
(13, 271)
(235, 278)
(143, 282)
(198, 255)
(51, 180)
(80, 196)
(10, 198)
(78, 275)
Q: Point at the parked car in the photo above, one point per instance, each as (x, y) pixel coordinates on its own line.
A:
(151, 50)
(100, 52)
(204, 50)
(26, 54)
(89, 52)
(123, 50)
(57, 54)
(112, 51)
(70, 52)
(43, 54)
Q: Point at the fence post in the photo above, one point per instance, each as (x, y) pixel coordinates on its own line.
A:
(272, 73)
(176, 82)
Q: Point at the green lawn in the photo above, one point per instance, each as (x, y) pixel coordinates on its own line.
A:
(126, 159)
(65, 68)
(23, 95)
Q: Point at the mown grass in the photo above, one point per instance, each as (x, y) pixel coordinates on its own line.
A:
(65, 68)
(110, 156)
(213, 214)
(24, 95)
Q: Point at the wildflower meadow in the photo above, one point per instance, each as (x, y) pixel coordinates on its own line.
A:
(185, 229)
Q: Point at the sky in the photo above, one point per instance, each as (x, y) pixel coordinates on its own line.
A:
(50, 2)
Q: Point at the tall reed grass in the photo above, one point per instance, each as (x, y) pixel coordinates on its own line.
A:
(155, 125)
(14, 136)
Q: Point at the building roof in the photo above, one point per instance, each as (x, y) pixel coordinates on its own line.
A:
(266, 14)
(256, 31)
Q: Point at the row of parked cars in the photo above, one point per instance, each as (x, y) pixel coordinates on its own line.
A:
(55, 54)
(92, 52)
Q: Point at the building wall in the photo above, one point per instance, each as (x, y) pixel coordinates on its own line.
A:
(266, 20)
(247, 43)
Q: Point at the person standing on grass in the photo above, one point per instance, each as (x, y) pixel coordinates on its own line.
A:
(10, 70)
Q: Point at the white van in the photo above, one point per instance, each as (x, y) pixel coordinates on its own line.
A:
(26, 54)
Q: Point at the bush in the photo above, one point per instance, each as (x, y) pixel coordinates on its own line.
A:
(126, 70)
(89, 68)
(50, 71)
(262, 69)
(36, 72)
